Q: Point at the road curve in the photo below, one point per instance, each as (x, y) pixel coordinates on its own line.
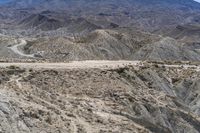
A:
(20, 52)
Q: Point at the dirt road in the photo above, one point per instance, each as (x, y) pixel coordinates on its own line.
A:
(100, 64)
(75, 64)
(16, 49)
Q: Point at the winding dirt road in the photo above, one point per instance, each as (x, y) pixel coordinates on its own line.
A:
(16, 49)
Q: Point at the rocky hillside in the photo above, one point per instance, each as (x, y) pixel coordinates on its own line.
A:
(140, 99)
(186, 33)
(99, 44)
(115, 44)
(46, 21)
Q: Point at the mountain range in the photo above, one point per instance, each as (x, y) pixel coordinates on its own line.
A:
(89, 23)
(147, 15)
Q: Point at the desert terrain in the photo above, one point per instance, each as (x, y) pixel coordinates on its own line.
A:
(99, 66)
(99, 96)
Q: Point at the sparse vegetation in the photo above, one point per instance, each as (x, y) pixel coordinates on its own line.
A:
(99, 66)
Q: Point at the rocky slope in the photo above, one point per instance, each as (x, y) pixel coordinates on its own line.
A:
(104, 44)
(100, 44)
(121, 43)
(46, 21)
(188, 33)
(148, 98)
